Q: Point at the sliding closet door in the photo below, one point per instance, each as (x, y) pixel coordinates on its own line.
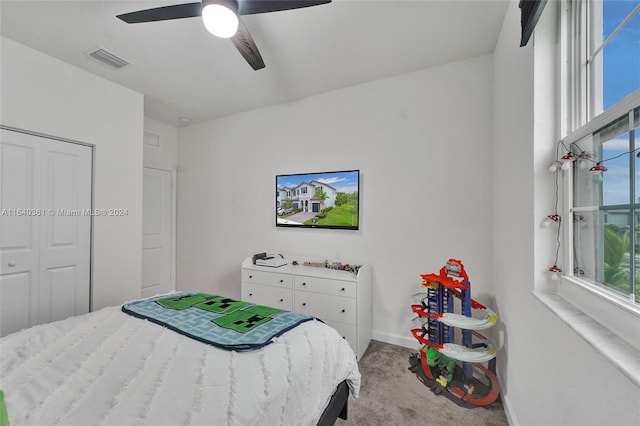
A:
(45, 230)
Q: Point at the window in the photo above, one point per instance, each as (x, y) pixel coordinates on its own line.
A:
(606, 207)
(603, 126)
(614, 63)
(604, 56)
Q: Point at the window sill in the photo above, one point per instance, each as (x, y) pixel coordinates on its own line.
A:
(621, 354)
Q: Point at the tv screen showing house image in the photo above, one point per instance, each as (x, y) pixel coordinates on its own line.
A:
(318, 200)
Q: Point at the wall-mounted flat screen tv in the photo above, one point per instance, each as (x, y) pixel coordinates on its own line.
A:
(318, 200)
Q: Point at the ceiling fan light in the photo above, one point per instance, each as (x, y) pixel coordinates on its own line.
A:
(219, 20)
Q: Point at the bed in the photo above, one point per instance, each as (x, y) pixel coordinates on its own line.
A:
(112, 368)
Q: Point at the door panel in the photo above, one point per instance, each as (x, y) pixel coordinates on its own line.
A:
(15, 302)
(153, 264)
(65, 246)
(18, 191)
(157, 231)
(63, 197)
(62, 284)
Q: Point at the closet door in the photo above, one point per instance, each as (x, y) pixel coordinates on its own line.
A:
(19, 234)
(45, 227)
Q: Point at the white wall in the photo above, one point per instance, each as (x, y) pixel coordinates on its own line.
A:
(42, 94)
(549, 375)
(422, 142)
(166, 155)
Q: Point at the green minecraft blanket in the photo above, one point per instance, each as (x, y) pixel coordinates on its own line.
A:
(217, 320)
(4, 416)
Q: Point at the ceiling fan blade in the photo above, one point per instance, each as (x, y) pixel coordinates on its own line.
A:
(177, 11)
(251, 7)
(247, 47)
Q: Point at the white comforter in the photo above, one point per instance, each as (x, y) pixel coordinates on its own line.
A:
(108, 368)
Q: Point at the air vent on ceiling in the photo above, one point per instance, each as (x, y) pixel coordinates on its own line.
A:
(108, 58)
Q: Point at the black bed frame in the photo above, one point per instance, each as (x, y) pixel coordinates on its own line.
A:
(338, 406)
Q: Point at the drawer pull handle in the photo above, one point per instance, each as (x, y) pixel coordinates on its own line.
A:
(281, 300)
(250, 276)
(342, 289)
(304, 284)
(250, 294)
(281, 281)
(304, 304)
(343, 311)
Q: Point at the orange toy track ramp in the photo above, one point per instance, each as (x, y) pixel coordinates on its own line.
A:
(445, 281)
(490, 397)
(484, 394)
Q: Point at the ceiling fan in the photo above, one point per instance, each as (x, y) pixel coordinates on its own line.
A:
(222, 18)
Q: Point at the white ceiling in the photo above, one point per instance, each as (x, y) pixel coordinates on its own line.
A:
(184, 71)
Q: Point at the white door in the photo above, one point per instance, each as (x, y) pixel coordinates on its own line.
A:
(45, 230)
(157, 232)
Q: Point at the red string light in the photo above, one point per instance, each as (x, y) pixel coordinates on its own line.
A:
(555, 269)
(598, 168)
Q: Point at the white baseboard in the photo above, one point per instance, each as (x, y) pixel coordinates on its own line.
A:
(506, 404)
(395, 339)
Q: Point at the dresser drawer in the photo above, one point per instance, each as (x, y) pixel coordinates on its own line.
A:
(269, 278)
(326, 286)
(325, 306)
(260, 294)
(347, 331)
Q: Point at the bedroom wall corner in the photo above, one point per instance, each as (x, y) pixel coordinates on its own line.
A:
(45, 95)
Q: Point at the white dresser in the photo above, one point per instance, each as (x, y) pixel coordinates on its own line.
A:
(341, 299)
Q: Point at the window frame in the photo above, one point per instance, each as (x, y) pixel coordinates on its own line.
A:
(632, 205)
(582, 85)
(577, 121)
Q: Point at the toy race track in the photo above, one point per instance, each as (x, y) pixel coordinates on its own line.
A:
(471, 384)
(483, 392)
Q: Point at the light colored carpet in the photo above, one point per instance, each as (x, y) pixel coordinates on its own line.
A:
(392, 395)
